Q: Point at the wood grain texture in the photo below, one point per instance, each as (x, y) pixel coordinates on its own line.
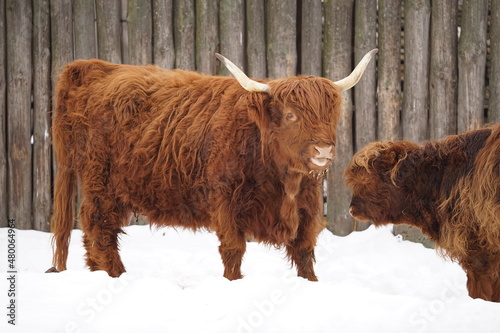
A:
(337, 62)
(472, 64)
(42, 158)
(389, 95)
(281, 38)
(19, 85)
(108, 30)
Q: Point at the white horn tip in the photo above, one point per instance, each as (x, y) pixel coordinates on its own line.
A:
(245, 82)
(355, 76)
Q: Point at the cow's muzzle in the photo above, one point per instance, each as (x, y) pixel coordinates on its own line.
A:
(324, 155)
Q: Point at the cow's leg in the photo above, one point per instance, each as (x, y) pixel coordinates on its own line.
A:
(101, 220)
(301, 249)
(232, 248)
(303, 258)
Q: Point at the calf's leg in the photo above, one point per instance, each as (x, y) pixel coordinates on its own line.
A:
(479, 285)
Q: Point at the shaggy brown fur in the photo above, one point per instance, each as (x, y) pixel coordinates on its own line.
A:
(190, 150)
(450, 189)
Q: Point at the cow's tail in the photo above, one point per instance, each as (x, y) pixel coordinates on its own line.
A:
(63, 209)
(62, 221)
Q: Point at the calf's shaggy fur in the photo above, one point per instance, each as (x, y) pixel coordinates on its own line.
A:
(450, 189)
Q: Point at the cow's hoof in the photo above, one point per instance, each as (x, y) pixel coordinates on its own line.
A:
(52, 270)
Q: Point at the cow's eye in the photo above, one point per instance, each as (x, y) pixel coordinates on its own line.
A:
(290, 116)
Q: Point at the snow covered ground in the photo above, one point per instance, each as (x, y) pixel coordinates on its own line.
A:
(370, 281)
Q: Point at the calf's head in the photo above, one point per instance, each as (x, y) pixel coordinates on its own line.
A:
(375, 176)
(298, 116)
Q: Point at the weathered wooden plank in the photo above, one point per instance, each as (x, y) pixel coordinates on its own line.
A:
(415, 96)
(416, 45)
(494, 103)
(42, 158)
(443, 69)
(61, 29)
(337, 64)
(61, 43)
(85, 29)
(140, 32)
(207, 36)
(231, 33)
(256, 39)
(108, 30)
(389, 70)
(365, 92)
(163, 34)
(184, 34)
(3, 119)
(472, 64)
(281, 25)
(312, 38)
(19, 85)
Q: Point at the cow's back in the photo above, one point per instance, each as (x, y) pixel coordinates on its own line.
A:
(150, 127)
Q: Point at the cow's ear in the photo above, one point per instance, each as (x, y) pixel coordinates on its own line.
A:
(259, 109)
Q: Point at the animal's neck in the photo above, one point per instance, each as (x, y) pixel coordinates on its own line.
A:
(424, 188)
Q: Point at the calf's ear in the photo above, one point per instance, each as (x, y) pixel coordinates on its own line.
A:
(404, 159)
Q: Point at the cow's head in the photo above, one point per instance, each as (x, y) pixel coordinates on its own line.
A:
(298, 116)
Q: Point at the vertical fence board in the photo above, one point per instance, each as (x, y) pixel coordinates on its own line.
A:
(3, 119)
(61, 43)
(108, 30)
(61, 29)
(416, 44)
(42, 199)
(140, 32)
(311, 39)
(281, 38)
(337, 64)
(472, 64)
(256, 38)
(389, 69)
(19, 84)
(443, 69)
(163, 34)
(207, 36)
(365, 111)
(184, 34)
(84, 22)
(415, 98)
(231, 33)
(494, 104)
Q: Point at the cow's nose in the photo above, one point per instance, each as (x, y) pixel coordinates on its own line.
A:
(324, 152)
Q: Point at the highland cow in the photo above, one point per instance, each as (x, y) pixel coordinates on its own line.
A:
(449, 189)
(240, 157)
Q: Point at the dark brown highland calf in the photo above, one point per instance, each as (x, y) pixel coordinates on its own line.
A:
(450, 189)
(237, 156)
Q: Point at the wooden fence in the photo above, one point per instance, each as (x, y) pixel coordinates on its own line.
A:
(433, 76)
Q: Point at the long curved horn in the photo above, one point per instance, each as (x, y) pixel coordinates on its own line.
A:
(349, 82)
(243, 79)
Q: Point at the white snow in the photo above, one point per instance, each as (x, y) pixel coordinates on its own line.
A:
(370, 281)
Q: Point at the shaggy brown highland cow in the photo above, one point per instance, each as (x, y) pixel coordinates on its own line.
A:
(450, 189)
(237, 156)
